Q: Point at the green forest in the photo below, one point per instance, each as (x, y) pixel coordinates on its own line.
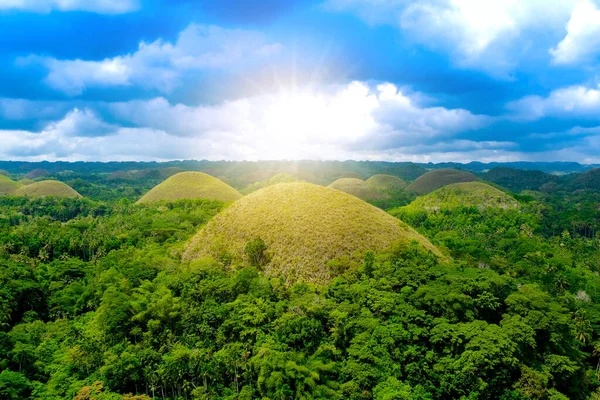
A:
(98, 301)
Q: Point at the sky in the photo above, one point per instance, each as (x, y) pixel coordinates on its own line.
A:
(396, 80)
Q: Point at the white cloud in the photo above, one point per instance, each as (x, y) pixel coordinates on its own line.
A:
(355, 121)
(568, 102)
(582, 41)
(81, 123)
(159, 65)
(95, 6)
(488, 35)
(297, 124)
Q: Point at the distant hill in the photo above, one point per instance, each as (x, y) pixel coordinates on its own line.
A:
(169, 172)
(7, 186)
(518, 179)
(588, 180)
(25, 181)
(121, 176)
(303, 226)
(387, 183)
(467, 194)
(37, 173)
(279, 178)
(358, 188)
(191, 185)
(437, 178)
(47, 189)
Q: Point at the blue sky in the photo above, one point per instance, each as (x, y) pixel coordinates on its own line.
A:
(429, 80)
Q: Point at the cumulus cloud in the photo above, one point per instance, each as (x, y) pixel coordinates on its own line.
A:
(355, 120)
(485, 35)
(569, 102)
(582, 41)
(292, 124)
(95, 6)
(160, 64)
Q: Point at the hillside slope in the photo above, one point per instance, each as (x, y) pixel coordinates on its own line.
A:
(465, 194)
(387, 183)
(303, 226)
(437, 178)
(191, 185)
(47, 189)
(7, 186)
(359, 188)
(588, 180)
(274, 180)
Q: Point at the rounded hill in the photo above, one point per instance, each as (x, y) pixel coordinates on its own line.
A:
(303, 226)
(437, 178)
(25, 181)
(588, 180)
(279, 178)
(7, 186)
(465, 194)
(359, 188)
(387, 183)
(47, 189)
(191, 185)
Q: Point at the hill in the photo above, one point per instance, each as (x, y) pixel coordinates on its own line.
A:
(121, 176)
(169, 172)
(191, 185)
(435, 179)
(47, 189)
(359, 188)
(588, 180)
(518, 180)
(303, 226)
(37, 173)
(387, 183)
(279, 178)
(475, 194)
(7, 186)
(25, 181)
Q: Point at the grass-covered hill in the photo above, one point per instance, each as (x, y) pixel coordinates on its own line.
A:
(303, 226)
(25, 181)
(359, 188)
(191, 185)
(387, 183)
(7, 185)
(169, 172)
(47, 189)
(465, 194)
(279, 178)
(588, 180)
(435, 179)
(37, 173)
(519, 179)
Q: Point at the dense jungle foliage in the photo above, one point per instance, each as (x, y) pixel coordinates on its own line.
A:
(95, 303)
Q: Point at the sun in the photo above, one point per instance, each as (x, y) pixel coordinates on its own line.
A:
(303, 123)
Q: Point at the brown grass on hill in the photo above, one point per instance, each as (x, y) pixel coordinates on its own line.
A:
(359, 188)
(279, 178)
(37, 173)
(8, 186)
(304, 226)
(25, 181)
(438, 178)
(47, 189)
(465, 194)
(387, 183)
(191, 185)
